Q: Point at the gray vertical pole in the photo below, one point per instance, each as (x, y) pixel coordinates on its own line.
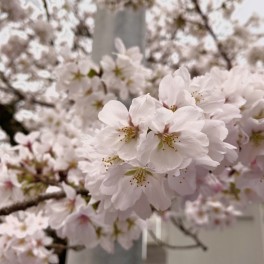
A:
(130, 26)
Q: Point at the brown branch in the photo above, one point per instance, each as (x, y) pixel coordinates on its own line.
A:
(221, 51)
(179, 224)
(22, 206)
(61, 247)
(31, 202)
(169, 246)
(9, 86)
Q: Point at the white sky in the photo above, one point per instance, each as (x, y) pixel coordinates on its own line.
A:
(248, 7)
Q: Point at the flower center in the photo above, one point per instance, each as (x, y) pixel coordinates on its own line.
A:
(197, 96)
(128, 133)
(173, 108)
(111, 160)
(117, 71)
(139, 176)
(168, 139)
(257, 138)
(77, 76)
(260, 115)
(98, 104)
(83, 219)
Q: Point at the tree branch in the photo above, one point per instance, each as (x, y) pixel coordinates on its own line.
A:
(35, 201)
(213, 35)
(169, 246)
(8, 122)
(179, 224)
(61, 247)
(20, 95)
(45, 5)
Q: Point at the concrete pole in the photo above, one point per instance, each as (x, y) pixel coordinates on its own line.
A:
(129, 25)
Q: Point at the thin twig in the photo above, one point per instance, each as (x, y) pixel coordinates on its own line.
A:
(42, 103)
(19, 206)
(204, 18)
(166, 245)
(20, 95)
(179, 224)
(45, 5)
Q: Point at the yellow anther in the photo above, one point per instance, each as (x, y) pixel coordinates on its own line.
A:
(128, 133)
(168, 139)
(139, 176)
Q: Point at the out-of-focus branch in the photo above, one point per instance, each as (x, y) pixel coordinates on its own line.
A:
(8, 121)
(10, 87)
(22, 206)
(61, 247)
(220, 48)
(20, 95)
(179, 224)
(169, 246)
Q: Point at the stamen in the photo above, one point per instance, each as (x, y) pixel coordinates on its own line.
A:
(77, 75)
(128, 133)
(173, 108)
(109, 161)
(140, 176)
(168, 139)
(197, 96)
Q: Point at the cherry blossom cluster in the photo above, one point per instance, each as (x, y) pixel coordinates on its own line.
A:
(13, 9)
(200, 138)
(194, 140)
(209, 43)
(197, 142)
(78, 221)
(44, 164)
(244, 92)
(24, 241)
(147, 155)
(39, 160)
(210, 213)
(90, 86)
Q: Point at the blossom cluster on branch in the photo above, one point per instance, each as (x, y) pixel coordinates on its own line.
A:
(200, 142)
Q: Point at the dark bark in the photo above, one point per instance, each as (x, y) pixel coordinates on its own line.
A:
(8, 122)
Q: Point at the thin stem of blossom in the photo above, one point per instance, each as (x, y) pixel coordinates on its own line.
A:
(19, 206)
(169, 246)
(179, 224)
(212, 33)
